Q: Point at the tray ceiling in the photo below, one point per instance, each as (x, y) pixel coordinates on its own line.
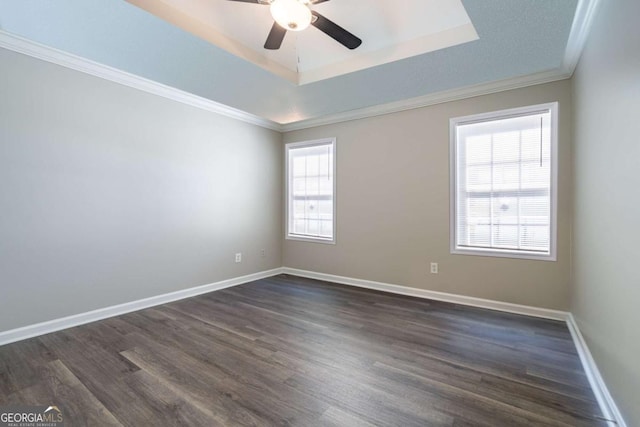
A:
(390, 31)
(517, 41)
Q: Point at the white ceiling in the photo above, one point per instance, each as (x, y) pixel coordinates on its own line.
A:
(390, 31)
(520, 42)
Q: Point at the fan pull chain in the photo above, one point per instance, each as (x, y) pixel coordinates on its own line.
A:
(540, 141)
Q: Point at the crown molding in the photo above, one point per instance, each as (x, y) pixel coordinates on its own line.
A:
(585, 13)
(36, 50)
(431, 99)
(583, 18)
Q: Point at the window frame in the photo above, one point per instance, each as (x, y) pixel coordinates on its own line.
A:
(301, 144)
(552, 108)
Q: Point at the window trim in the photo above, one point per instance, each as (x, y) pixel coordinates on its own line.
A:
(552, 108)
(287, 147)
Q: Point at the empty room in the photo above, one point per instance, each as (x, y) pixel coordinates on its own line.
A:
(319, 213)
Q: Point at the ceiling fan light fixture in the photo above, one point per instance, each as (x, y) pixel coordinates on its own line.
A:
(292, 15)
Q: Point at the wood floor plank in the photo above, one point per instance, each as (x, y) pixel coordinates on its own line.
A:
(477, 404)
(20, 365)
(81, 407)
(334, 417)
(374, 401)
(171, 407)
(200, 391)
(241, 393)
(301, 352)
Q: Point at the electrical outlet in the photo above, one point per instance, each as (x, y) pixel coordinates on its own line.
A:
(263, 253)
(434, 268)
(239, 257)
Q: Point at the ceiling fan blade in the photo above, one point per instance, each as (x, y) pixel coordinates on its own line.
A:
(318, 1)
(275, 37)
(250, 1)
(335, 31)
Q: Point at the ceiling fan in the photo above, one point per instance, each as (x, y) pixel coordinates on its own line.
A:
(296, 15)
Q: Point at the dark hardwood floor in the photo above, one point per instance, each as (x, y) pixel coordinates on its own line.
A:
(292, 351)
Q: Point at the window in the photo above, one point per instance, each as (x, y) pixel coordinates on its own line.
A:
(503, 183)
(310, 190)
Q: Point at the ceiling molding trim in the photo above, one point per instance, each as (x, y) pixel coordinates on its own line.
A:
(431, 99)
(36, 50)
(585, 12)
(580, 29)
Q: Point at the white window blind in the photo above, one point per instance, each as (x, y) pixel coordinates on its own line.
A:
(310, 190)
(503, 189)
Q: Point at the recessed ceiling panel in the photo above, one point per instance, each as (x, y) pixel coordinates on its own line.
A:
(390, 31)
(523, 39)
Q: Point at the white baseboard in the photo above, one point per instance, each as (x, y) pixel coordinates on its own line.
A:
(605, 401)
(31, 331)
(434, 295)
(74, 62)
(607, 404)
(34, 330)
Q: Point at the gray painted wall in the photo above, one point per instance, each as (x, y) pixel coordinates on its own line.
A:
(393, 206)
(110, 194)
(606, 282)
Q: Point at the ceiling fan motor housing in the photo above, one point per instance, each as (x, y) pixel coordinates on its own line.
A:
(296, 15)
(292, 15)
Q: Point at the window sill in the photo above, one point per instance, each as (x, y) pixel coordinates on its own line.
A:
(311, 239)
(504, 254)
